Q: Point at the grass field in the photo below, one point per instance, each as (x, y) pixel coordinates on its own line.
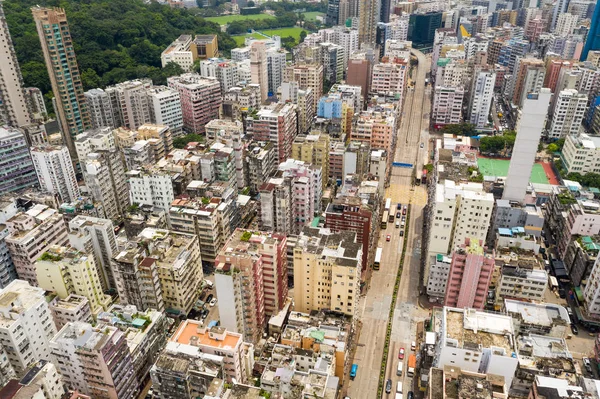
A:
(283, 32)
(311, 16)
(499, 168)
(224, 20)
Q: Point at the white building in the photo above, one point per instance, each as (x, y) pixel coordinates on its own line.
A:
(132, 101)
(581, 153)
(69, 310)
(148, 187)
(102, 111)
(438, 276)
(566, 24)
(30, 234)
(531, 122)
(179, 52)
(591, 292)
(276, 63)
(481, 98)
(26, 325)
(96, 236)
(104, 176)
(529, 284)
(54, 168)
(460, 211)
(447, 105)
(568, 113)
(94, 140)
(477, 341)
(165, 108)
(8, 273)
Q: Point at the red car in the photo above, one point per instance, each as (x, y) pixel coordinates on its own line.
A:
(401, 354)
(388, 237)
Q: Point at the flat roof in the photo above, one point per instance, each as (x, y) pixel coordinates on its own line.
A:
(190, 328)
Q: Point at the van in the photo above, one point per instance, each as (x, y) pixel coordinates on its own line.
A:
(399, 387)
(209, 284)
(413, 345)
(399, 369)
(398, 224)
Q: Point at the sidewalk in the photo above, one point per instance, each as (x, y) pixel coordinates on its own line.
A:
(424, 302)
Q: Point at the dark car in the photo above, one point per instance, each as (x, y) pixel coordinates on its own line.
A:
(388, 386)
(411, 395)
(574, 329)
(398, 206)
(202, 295)
(562, 293)
(401, 233)
(209, 298)
(398, 214)
(204, 314)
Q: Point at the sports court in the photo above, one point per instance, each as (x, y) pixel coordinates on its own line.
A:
(499, 168)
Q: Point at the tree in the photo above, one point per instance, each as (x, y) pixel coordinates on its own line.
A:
(251, 4)
(460, 129)
(303, 35)
(552, 148)
(181, 142)
(560, 143)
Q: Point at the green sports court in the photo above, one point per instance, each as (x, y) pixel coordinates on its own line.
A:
(499, 168)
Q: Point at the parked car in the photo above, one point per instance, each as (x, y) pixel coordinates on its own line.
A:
(587, 364)
(411, 395)
(209, 298)
(213, 302)
(397, 214)
(204, 314)
(388, 237)
(401, 233)
(388, 386)
(422, 145)
(401, 354)
(574, 329)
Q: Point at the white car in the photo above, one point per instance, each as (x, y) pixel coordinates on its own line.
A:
(213, 302)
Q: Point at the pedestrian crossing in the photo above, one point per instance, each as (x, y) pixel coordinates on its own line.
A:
(403, 194)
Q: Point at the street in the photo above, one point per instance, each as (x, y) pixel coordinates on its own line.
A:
(375, 306)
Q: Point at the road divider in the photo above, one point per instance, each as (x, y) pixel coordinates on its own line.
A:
(390, 322)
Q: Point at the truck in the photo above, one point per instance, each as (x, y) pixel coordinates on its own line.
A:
(412, 364)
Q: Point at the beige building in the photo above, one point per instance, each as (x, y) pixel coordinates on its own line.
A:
(308, 76)
(69, 310)
(313, 148)
(331, 263)
(67, 271)
(31, 233)
(177, 260)
(259, 68)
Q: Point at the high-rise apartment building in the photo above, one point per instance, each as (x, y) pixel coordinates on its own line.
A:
(94, 360)
(165, 108)
(14, 108)
(26, 325)
(150, 187)
(16, 168)
(307, 76)
(194, 343)
(376, 128)
(460, 211)
(291, 198)
(54, 168)
(71, 309)
(251, 280)
(528, 78)
(96, 237)
(103, 112)
(389, 77)
(350, 214)
(95, 140)
(481, 98)
(31, 233)
(565, 24)
(314, 149)
(469, 276)
(132, 102)
(276, 63)
(447, 105)
(200, 100)
(276, 124)
(530, 125)
(40, 380)
(66, 271)
(327, 270)
(104, 176)
(57, 47)
(568, 114)
(259, 68)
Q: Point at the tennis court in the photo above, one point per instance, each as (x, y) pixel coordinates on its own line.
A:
(499, 168)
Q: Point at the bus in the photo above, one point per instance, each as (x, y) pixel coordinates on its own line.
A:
(353, 371)
(388, 204)
(384, 219)
(377, 262)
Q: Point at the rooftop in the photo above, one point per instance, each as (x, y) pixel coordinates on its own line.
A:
(216, 337)
(476, 329)
(543, 314)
